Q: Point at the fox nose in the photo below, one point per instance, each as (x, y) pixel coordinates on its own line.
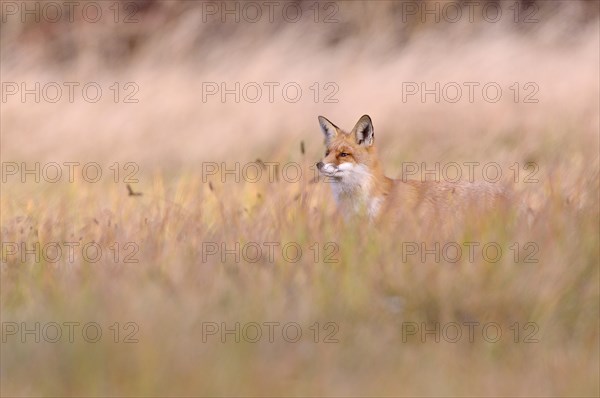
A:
(320, 165)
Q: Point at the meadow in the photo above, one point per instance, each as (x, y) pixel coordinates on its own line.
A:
(207, 257)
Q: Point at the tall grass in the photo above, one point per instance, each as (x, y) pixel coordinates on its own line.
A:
(363, 286)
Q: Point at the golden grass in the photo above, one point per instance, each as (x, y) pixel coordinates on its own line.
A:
(369, 293)
(374, 290)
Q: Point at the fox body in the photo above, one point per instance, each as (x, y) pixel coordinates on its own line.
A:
(359, 185)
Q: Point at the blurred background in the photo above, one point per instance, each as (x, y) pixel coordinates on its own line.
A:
(347, 58)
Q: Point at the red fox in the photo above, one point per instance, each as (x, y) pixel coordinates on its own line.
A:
(359, 185)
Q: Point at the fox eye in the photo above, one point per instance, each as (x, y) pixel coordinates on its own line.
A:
(344, 154)
(327, 153)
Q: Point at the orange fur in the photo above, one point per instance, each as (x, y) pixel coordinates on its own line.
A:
(360, 186)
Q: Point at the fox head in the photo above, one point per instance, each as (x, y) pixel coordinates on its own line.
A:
(349, 157)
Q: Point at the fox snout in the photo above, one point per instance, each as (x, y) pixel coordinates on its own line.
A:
(328, 169)
(325, 169)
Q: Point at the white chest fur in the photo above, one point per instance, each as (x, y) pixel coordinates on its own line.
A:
(352, 192)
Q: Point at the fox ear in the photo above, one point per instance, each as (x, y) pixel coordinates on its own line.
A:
(329, 129)
(363, 131)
